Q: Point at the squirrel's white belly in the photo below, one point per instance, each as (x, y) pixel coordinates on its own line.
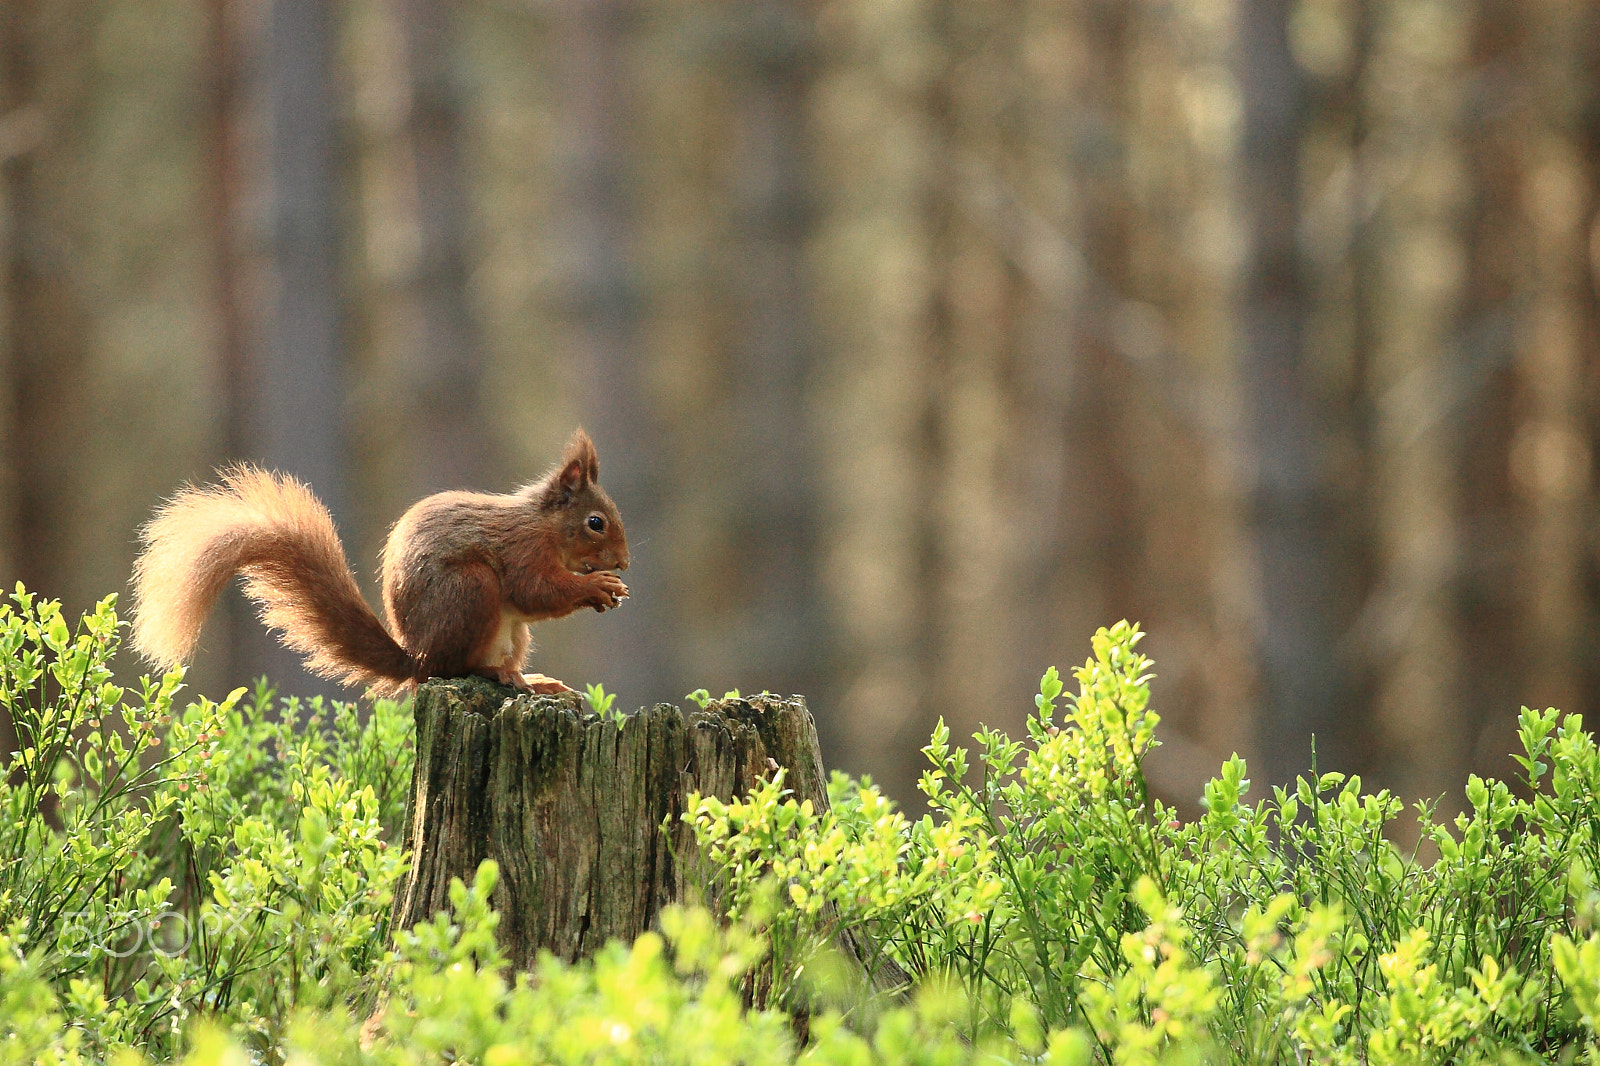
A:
(503, 648)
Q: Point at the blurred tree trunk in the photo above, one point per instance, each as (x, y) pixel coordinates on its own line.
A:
(929, 445)
(874, 285)
(1045, 239)
(604, 327)
(1335, 240)
(975, 608)
(1581, 123)
(1291, 519)
(774, 498)
(447, 436)
(46, 77)
(1166, 326)
(294, 409)
(1104, 519)
(1489, 628)
(1416, 377)
(19, 125)
(224, 82)
(44, 83)
(1551, 452)
(1105, 534)
(298, 406)
(19, 136)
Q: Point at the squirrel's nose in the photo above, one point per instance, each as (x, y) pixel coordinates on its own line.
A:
(622, 562)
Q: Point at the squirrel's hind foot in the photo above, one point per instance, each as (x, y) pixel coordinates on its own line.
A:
(537, 684)
(546, 686)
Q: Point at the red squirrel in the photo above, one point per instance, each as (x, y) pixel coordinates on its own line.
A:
(463, 574)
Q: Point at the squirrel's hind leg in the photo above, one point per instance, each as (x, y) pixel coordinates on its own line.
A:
(451, 621)
(521, 642)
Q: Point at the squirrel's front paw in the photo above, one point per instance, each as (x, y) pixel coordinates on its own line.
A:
(608, 590)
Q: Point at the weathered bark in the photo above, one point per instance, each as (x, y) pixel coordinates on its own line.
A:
(583, 819)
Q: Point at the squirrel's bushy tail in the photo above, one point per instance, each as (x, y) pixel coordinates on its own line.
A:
(271, 529)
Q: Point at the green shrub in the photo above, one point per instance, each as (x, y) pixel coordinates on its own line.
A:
(1051, 887)
(223, 861)
(212, 886)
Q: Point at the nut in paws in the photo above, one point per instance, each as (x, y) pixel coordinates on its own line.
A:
(609, 590)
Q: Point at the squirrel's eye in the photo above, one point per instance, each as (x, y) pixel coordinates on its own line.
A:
(597, 523)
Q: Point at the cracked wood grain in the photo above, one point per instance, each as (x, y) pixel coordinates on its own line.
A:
(572, 809)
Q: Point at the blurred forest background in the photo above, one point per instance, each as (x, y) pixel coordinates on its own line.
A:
(918, 337)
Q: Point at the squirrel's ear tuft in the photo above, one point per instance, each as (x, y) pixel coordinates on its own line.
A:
(580, 453)
(578, 467)
(570, 479)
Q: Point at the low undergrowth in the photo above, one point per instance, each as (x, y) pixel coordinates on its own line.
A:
(211, 885)
(1058, 896)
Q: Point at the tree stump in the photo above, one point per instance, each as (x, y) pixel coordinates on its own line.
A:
(572, 809)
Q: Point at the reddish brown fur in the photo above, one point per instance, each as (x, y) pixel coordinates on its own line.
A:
(271, 529)
(463, 573)
(459, 566)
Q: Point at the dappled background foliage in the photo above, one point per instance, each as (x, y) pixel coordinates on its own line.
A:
(919, 338)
